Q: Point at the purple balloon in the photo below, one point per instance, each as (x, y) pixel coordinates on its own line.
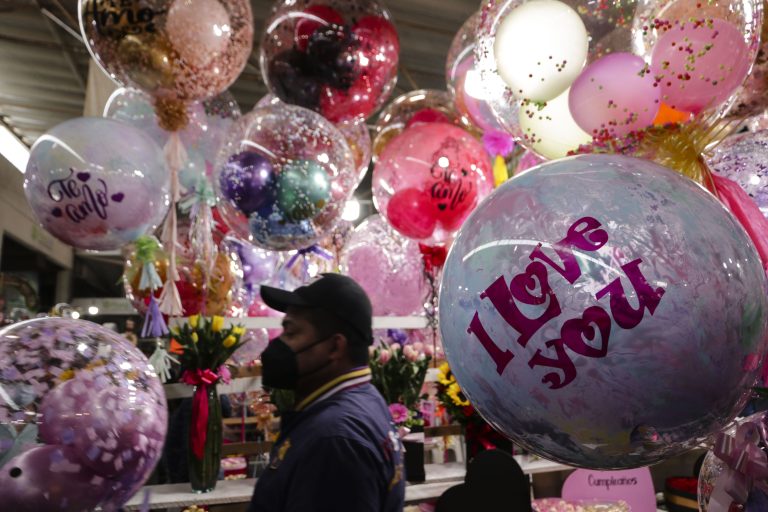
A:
(50, 477)
(246, 181)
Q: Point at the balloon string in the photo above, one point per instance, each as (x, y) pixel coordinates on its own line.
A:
(175, 156)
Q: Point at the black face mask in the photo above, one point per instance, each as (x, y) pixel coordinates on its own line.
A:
(280, 366)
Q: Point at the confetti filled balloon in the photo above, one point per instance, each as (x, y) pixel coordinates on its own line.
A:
(96, 183)
(428, 180)
(336, 58)
(98, 410)
(208, 123)
(174, 49)
(283, 177)
(462, 77)
(258, 265)
(590, 314)
(388, 266)
(743, 158)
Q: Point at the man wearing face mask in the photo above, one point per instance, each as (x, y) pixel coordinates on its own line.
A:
(338, 450)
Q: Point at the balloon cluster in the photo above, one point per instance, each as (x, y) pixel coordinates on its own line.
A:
(86, 413)
(338, 58)
(283, 177)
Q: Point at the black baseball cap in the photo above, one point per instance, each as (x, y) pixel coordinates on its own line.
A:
(335, 293)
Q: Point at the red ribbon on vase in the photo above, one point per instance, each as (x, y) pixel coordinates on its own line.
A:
(201, 379)
(747, 464)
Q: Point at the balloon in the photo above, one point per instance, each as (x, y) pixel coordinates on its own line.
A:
(420, 104)
(302, 197)
(463, 79)
(428, 180)
(208, 123)
(540, 49)
(388, 266)
(173, 49)
(256, 340)
(258, 265)
(101, 413)
(743, 158)
(714, 61)
(550, 130)
(97, 184)
(589, 313)
(614, 95)
(337, 58)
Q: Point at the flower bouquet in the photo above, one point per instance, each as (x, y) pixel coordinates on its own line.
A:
(203, 346)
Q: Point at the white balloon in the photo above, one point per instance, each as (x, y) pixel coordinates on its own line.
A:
(540, 49)
(550, 130)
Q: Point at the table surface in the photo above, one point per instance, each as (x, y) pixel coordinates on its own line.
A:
(439, 477)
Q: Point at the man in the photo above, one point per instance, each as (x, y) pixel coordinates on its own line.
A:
(337, 451)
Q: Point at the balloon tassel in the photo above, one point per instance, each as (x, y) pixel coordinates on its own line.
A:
(161, 361)
(500, 171)
(175, 156)
(154, 324)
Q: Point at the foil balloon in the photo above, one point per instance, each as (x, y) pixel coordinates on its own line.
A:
(96, 183)
(91, 409)
(208, 123)
(428, 180)
(463, 79)
(589, 314)
(742, 158)
(423, 105)
(388, 266)
(258, 265)
(173, 49)
(336, 58)
(283, 177)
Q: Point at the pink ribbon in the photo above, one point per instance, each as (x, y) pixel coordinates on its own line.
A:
(201, 379)
(747, 464)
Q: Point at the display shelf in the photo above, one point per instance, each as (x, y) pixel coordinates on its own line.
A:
(379, 322)
(439, 477)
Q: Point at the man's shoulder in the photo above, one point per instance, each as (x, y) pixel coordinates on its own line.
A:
(354, 413)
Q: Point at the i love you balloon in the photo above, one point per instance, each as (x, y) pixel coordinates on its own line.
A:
(429, 178)
(604, 312)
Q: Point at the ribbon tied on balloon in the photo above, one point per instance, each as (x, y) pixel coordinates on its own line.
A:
(747, 465)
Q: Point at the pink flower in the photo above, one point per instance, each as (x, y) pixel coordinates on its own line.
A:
(399, 413)
(384, 356)
(429, 351)
(418, 347)
(395, 347)
(410, 353)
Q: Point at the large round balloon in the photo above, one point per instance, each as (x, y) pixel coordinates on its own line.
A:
(743, 158)
(96, 183)
(428, 180)
(175, 49)
(90, 415)
(388, 266)
(208, 123)
(604, 312)
(335, 57)
(283, 177)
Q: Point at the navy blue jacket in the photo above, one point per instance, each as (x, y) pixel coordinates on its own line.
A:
(338, 452)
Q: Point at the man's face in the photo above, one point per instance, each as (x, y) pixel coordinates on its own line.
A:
(299, 333)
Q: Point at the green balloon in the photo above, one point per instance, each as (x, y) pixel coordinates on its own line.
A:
(303, 189)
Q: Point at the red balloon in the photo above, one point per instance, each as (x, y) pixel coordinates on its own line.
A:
(428, 115)
(307, 25)
(358, 101)
(379, 48)
(412, 213)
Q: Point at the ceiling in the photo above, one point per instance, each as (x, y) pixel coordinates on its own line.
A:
(44, 64)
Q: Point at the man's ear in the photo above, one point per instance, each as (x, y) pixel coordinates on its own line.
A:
(340, 348)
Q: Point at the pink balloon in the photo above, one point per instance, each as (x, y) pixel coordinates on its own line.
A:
(700, 64)
(198, 30)
(436, 171)
(388, 267)
(614, 95)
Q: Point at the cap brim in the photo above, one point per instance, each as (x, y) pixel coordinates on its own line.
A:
(281, 300)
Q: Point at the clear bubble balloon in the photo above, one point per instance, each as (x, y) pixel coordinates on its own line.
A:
(283, 177)
(172, 49)
(388, 266)
(208, 123)
(743, 158)
(604, 312)
(338, 58)
(92, 412)
(429, 179)
(97, 183)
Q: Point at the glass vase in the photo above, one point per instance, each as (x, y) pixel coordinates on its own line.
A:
(204, 472)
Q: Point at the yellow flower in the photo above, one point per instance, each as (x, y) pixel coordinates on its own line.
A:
(193, 320)
(194, 337)
(66, 375)
(217, 324)
(454, 392)
(238, 330)
(229, 341)
(445, 375)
